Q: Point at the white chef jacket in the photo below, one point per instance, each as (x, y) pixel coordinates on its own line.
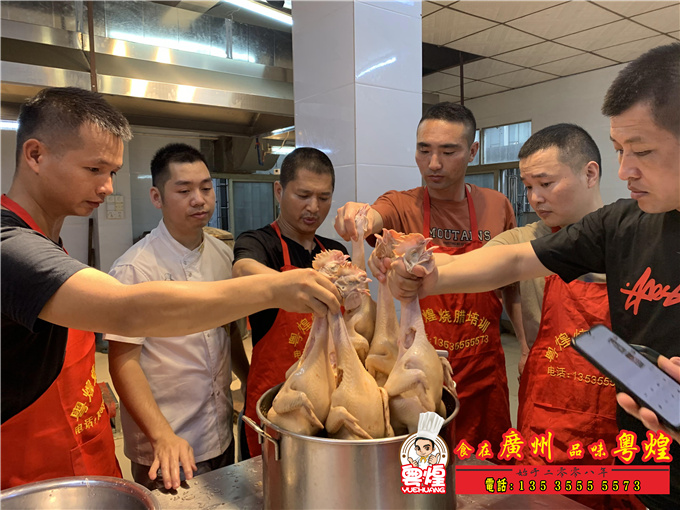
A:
(190, 375)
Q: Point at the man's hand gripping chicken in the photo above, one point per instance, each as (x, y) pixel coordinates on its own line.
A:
(416, 381)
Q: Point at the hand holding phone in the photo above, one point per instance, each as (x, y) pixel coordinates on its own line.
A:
(645, 383)
(648, 418)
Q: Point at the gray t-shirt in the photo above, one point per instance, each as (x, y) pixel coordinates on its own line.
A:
(531, 291)
(33, 269)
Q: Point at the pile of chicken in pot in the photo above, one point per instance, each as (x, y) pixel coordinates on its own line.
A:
(364, 374)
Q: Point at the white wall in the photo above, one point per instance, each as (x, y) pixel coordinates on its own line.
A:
(575, 99)
(358, 93)
(114, 236)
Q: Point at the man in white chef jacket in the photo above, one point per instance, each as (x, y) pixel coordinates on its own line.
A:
(176, 404)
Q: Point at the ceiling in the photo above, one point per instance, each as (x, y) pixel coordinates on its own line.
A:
(535, 41)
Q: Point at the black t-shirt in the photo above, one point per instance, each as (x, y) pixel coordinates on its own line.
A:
(33, 268)
(264, 246)
(640, 253)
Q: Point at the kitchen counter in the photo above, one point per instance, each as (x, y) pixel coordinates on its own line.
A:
(240, 487)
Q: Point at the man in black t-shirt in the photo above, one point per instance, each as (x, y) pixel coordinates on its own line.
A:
(635, 242)
(304, 193)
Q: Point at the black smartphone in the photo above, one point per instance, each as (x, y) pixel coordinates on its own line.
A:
(632, 372)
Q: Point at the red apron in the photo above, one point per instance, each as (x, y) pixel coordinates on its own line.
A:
(468, 327)
(560, 390)
(66, 431)
(275, 352)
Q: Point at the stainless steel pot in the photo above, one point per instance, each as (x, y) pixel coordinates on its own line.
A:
(316, 472)
(79, 492)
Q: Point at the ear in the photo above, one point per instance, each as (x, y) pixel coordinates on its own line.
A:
(592, 174)
(32, 153)
(473, 151)
(278, 191)
(156, 198)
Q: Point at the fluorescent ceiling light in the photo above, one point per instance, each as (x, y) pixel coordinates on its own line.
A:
(185, 93)
(282, 149)
(138, 87)
(263, 10)
(282, 130)
(9, 125)
(163, 55)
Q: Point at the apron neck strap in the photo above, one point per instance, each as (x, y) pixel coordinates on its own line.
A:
(284, 245)
(426, 212)
(10, 204)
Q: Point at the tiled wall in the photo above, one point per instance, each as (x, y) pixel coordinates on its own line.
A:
(358, 93)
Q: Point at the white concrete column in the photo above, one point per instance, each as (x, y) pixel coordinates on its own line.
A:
(358, 93)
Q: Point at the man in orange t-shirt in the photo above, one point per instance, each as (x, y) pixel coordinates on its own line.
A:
(459, 217)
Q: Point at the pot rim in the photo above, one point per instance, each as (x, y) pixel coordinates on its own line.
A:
(381, 440)
(109, 482)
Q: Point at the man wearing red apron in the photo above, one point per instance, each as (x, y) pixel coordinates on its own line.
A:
(559, 390)
(304, 194)
(458, 218)
(472, 338)
(69, 416)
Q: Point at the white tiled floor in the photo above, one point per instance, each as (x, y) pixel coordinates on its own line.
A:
(510, 346)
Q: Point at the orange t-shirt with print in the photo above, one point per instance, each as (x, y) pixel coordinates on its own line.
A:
(450, 219)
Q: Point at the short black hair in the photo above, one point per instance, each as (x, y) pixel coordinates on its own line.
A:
(54, 116)
(308, 158)
(172, 153)
(575, 146)
(652, 78)
(453, 112)
(425, 439)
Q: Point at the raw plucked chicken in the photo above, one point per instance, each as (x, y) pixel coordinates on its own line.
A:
(360, 320)
(384, 349)
(303, 402)
(415, 383)
(359, 408)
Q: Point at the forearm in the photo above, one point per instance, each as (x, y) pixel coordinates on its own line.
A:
(513, 307)
(94, 301)
(239, 360)
(488, 269)
(247, 267)
(375, 223)
(134, 390)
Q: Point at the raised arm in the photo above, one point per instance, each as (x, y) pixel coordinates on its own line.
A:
(169, 450)
(488, 269)
(94, 301)
(477, 271)
(344, 221)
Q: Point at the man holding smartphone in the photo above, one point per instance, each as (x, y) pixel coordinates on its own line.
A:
(635, 242)
(649, 419)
